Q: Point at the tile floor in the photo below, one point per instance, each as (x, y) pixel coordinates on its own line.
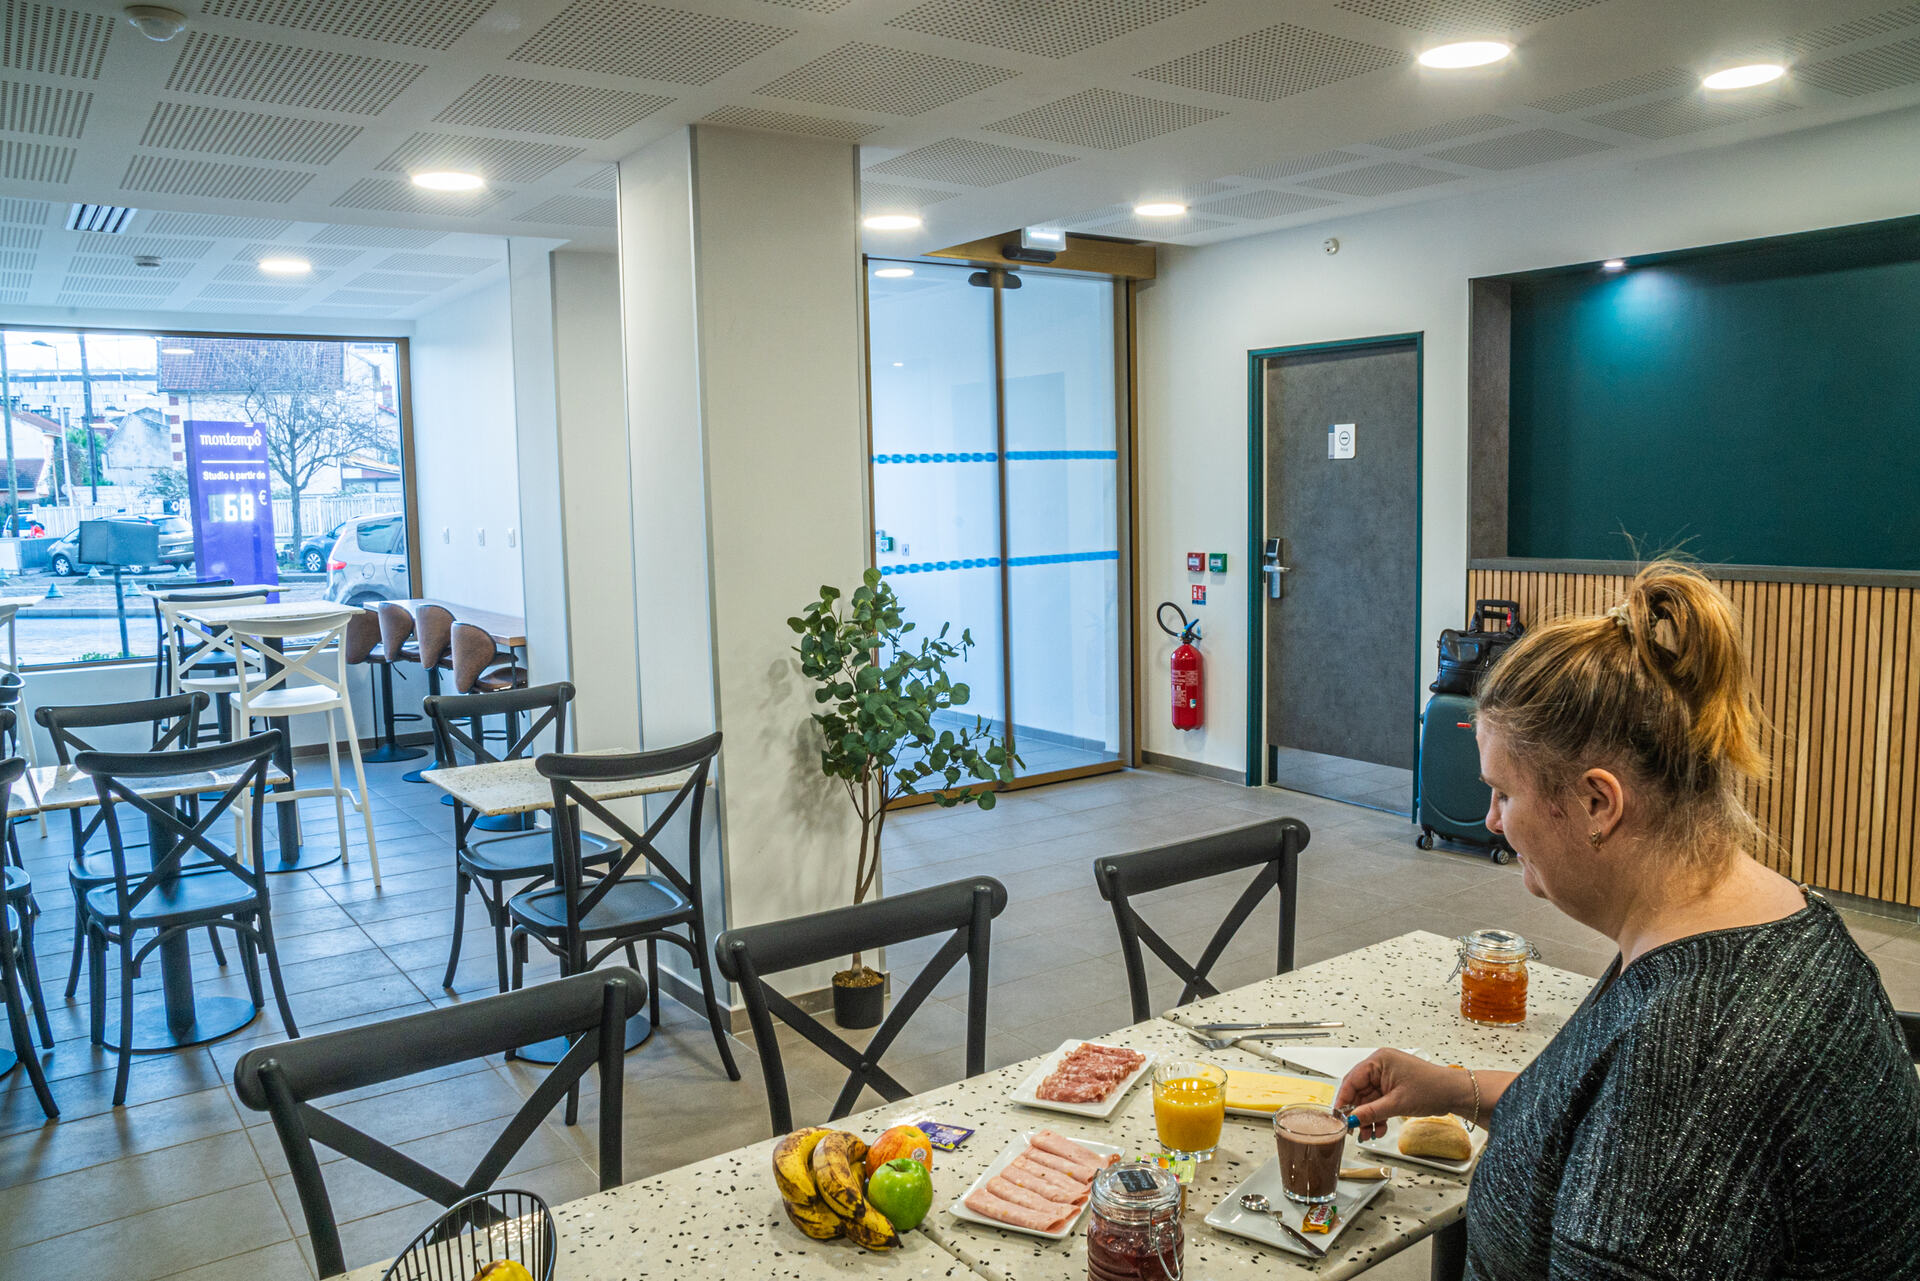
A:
(184, 1183)
(1340, 778)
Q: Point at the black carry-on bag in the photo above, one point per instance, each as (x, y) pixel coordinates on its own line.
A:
(1453, 800)
(1465, 656)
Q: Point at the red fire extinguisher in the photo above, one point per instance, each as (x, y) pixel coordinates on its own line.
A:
(1188, 686)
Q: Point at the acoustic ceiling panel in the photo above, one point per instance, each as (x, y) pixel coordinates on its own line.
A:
(373, 297)
(784, 122)
(1092, 217)
(443, 264)
(19, 238)
(25, 213)
(43, 109)
(1385, 179)
(423, 24)
(1159, 228)
(169, 175)
(53, 41)
(871, 77)
(1479, 17)
(1264, 204)
(321, 256)
(241, 273)
(379, 237)
(1519, 150)
(133, 287)
(1274, 63)
(882, 197)
(1883, 23)
(401, 282)
(254, 292)
(123, 265)
(816, 6)
(1865, 71)
(178, 126)
(219, 226)
(1446, 131)
(35, 162)
(619, 38)
(572, 211)
(522, 105)
(1281, 170)
(1672, 117)
(1104, 120)
(163, 248)
(1661, 80)
(496, 159)
(17, 259)
(404, 197)
(1048, 31)
(968, 163)
(605, 179)
(288, 75)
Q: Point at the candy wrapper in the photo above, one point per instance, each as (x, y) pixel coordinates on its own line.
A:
(1320, 1218)
(945, 1137)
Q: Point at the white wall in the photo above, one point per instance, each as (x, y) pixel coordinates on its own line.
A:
(1406, 271)
(465, 463)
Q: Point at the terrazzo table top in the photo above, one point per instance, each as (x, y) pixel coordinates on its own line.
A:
(515, 787)
(65, 787)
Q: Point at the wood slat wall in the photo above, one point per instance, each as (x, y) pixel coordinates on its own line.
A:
(1838, 669)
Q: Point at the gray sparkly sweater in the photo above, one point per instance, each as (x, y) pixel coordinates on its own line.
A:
(1739, 1104)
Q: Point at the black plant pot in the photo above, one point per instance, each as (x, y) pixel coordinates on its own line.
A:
(855, 1007)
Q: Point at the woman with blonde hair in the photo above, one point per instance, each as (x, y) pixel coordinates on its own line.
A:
(1735, 1098)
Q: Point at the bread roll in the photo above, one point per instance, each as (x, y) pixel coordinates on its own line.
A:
(1442, 1138)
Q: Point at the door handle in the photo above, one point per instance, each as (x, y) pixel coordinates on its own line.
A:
(1276, 582)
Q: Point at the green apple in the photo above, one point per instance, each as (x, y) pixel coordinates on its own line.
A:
(903, 1191)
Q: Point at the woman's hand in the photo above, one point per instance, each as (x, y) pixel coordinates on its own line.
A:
(1392, 1083)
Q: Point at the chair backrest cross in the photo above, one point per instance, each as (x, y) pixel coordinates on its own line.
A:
(193, 643)
(750, 954)
(286, 1080)
(545, 706)
(1271, 847)
(275, 666)
(171, 723)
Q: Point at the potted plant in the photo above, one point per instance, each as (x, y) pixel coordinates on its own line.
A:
(880, 693)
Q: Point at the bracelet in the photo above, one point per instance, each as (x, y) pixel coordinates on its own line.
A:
(1475, 1080)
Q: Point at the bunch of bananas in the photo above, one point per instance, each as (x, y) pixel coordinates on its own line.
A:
(819, 1173)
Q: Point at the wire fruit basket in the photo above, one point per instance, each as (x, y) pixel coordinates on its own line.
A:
(488, 1227)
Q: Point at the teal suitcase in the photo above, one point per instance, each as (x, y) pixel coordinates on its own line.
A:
(1452, 799)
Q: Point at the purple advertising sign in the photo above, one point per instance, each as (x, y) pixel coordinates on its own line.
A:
(229, 487)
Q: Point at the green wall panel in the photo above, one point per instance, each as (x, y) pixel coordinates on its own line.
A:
(1754, 404)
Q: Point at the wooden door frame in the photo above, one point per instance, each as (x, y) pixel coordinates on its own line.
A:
(1256, 522)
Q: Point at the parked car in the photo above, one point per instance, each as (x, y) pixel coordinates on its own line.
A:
(24, 526)
(312, 554)
(176, 547)
(369, 561)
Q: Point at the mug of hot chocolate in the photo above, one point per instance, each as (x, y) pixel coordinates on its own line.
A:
(1312, 1140)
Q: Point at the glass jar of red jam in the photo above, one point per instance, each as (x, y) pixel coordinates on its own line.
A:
(1493, 976)
(1135, 1232)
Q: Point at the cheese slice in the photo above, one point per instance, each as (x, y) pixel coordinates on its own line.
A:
(1269, 1091)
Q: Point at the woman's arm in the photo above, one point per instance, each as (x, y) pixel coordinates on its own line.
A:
(1393, 1083)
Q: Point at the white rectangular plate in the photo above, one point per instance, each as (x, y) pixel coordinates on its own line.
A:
(1349, 1195)
(1025, 1093)
(959, 1208)
(1388, 1146)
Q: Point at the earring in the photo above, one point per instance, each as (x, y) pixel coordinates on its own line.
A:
(1594, 839)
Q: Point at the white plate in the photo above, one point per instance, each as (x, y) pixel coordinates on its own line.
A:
(1348, 1196)
(959, 1208)
(1388, 1146)
(1024, 1093)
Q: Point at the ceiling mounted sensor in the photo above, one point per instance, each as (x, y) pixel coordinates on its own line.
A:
(285, 266)
(1758, 73)
(449, 180)
(156, 22)
(1036, 244)
(146, 260)
(891, 222)
(1465, 53)
(1160, 209)
(109, 220)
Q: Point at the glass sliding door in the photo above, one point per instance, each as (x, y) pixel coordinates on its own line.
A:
(995, 480)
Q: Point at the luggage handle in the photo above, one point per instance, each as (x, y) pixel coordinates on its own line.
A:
(1506, 611)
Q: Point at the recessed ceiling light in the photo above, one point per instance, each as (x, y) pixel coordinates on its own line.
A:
(1747, 77)
(177, 351)
(1614, 264)
(894, 273)
(449, 180)
(1466, 53)
(899, 364)
(286, 266)
(1160, 209)
(891, 222)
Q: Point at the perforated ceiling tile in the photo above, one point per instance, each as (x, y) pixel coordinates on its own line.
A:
(1865, 71)
(25, 213)
(17, 260)
(1104, 119)
(35, 162)
(969, 163)
(882, 197)
(1283, 169)
(1049, 30)
(242, 273)
(619, 38)
(379, 237)
(164, 248)
(600, 180)
(1268, 65)
(217, 225)
(1381, 180)
(401, 282)
(404, 197)
(548, 106)
(1477, 16)
(424, 24)
(43, 109)
(816, 6)
(176, 126)
(1883, 23)
(1445, 132)
(1094, 217)
(1518, 150)
(1671, 117)
(1658, 81)
(19, 238)
(444, 264)
(132, 287)
(496, 159)
(572, 211)
(289, 76)
(123, 265)
(319, 256)
(785, 122)
(175, 177)
(1159, 228)
(1264, 204)
(53, 41)
(254, 293)
(373, 298)
(871, 77)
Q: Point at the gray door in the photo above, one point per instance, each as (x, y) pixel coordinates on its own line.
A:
(1341, 647)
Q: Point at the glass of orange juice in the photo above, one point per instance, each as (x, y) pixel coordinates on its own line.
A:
(1189, 1107)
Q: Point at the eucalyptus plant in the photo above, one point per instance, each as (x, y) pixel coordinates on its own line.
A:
(880, 691)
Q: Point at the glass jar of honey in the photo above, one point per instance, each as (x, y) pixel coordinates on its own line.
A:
(1493, 976)
(1135, 1232)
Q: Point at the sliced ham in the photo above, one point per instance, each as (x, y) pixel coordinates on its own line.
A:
(1025, 1196)
(986, 1204)
(1049, 1183)
(1075, 1170)
(1062, 1146)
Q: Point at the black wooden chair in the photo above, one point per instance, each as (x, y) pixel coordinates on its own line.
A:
(19, 975)
(583, 918)
(750, 954)
(155, 895)
(1272, 847)
(493, 862)
(285, 1081)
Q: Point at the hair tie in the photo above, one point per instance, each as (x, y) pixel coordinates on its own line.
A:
(1619, 615)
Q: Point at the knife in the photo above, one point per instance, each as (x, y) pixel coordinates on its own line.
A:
(1251, 1027)
(1317, 1251)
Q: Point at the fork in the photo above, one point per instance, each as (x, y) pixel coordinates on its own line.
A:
(1227, 1042)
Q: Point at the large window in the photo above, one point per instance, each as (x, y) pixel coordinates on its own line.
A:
(272, 461)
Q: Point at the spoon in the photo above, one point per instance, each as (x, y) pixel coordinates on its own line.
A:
(1260, 1205)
